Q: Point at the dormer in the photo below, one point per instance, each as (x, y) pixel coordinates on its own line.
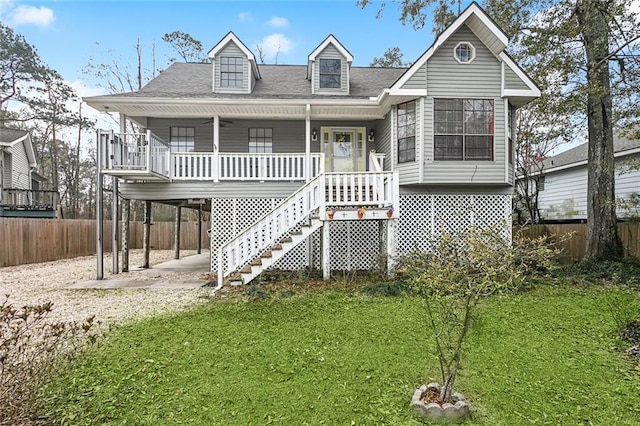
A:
(234, 66)
(328, 68)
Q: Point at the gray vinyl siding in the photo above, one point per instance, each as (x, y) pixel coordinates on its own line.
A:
(166, 191)
(417, 80)
(480, 79)
(330, 52)
(203, 130)
(7, 182)
(383, 140)
(232, 50)
(512, 81)
(21, 174)
(458, 189)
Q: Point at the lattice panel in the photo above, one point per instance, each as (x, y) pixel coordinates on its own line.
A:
(355, 244)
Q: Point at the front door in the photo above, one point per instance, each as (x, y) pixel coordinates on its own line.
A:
(344, 149)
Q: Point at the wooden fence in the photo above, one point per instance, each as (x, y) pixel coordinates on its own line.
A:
(42, 240)
(573, 246)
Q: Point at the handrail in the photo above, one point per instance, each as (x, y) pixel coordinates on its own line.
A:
(39, 198)
(374, 161)
(269, 229)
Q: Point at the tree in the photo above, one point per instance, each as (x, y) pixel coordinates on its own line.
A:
(20, 68)
(187, 47)
(392, 58)
(568, 46)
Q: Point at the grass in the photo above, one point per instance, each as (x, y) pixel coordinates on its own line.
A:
(548, 356)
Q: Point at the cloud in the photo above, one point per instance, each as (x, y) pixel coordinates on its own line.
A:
(245, 17)
(278, 22)
(29, 15)
(274, 45)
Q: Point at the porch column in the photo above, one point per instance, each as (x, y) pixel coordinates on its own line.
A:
(307, 142)
(176, 238)
(99, 206)
(126, 210)
(146, 239)
(115, 207)
(199, 247)
(392, 247)
(326, 251)
(216, 148)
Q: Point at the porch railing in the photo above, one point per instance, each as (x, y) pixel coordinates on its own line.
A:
(30, 198)
(137, 151)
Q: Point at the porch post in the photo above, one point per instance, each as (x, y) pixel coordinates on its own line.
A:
(147, 234)
(176, 238)
(392, 248)
(99, 206)
(307, 143)
(199, 246)
(326, 250)
(216, 148)
(115, 207)
(126, 210)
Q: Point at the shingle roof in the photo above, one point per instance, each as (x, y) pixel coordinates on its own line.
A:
(579, 153)
(190, 80)
(10, 135)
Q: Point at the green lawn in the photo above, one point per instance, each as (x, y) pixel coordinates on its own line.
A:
(544, 357)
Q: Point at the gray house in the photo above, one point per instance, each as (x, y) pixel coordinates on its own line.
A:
(563, 184)
(21, 192)
(327, 164)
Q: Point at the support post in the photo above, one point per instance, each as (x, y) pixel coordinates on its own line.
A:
(216, 148)
(126, 211)
(114, 226)
(392, 248)
(147, 234)
(307, 143)
(99, 206)
(199, 229)
(326, 251)
(176, 239)
(382, 246)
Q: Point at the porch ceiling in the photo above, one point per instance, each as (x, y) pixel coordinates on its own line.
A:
(325, 109)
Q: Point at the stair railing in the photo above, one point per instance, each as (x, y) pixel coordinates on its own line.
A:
(270, 228)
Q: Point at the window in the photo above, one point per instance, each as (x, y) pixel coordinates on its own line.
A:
(540, 183)
(330, 73)
(464, 52)
(182, 139)
(406, 127)
(463, 129)
(510, 131)
(231, 72)
(260, 140)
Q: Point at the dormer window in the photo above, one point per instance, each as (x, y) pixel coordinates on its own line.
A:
(231, 74)
(464, 52)
(330, 73)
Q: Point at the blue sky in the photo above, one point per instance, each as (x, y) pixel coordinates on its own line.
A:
(67, 33)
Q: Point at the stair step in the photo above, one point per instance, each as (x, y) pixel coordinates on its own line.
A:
(266, 254)
(256, 262)
(286, 240)
(276, 247)
(246, 270)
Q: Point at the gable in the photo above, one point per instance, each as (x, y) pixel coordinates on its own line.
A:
(512, 81)
(328, 67)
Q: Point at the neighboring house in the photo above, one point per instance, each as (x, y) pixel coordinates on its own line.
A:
(370, 161)
(21, 193)
(563, 193)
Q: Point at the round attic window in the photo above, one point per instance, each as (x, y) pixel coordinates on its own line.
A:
(464, 52)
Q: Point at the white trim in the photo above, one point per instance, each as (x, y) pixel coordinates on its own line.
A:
(420, 140)
(471, 47)
(408, 92)
(225, 40)
(472, 10)
(330, 40)
(507, 150)
(533, 89)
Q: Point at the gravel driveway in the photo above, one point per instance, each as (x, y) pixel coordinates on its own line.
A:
(36, 283)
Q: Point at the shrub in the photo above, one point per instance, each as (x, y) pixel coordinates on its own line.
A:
(623, 271)
(462, 270)
(31, 347)
(386, 289)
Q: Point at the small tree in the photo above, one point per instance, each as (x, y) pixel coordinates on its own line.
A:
(463, 270)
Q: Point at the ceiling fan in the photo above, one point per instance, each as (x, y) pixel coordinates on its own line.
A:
(222, 122)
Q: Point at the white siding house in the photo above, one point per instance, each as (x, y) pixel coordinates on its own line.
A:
(564, 190)
(326, 164)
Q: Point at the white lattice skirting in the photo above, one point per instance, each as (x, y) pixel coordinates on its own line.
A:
(355, 244)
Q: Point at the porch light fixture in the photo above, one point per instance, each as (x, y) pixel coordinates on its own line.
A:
(371, 135)
(314, 134)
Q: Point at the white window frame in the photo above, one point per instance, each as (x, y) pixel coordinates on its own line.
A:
(320, 73)
(183, 137)
(237, 83)
(471, 48)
